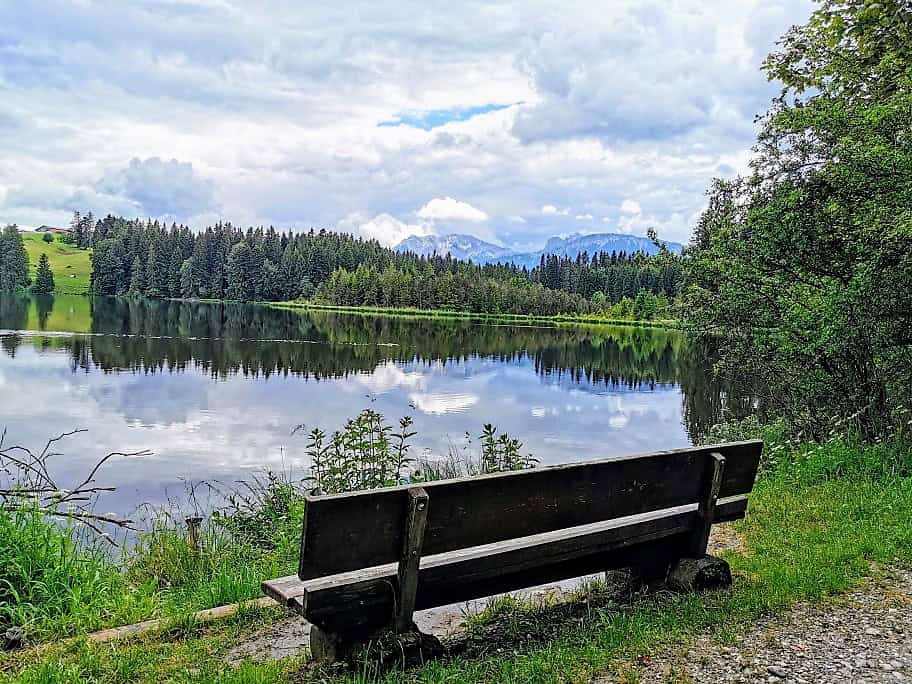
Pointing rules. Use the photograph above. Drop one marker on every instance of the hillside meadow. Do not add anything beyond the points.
(72, 266)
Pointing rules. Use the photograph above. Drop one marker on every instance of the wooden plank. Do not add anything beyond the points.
(290, 590)
(707, 507)
(733, 508)
(368, 603)
(350, 531)
(407, 573)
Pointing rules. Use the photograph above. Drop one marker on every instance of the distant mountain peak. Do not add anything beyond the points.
(459, 245)
(469, 247)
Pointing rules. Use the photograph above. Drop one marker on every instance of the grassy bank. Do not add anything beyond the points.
(72, 267)
(819, 517)
(408, 312)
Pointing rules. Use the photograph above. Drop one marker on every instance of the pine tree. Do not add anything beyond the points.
(174, 273)
(75, 223)
(14, 262)
(86, 228)
(44, 279)
(137, 278)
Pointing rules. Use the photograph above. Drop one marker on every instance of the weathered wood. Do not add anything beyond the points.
(733, 508)
(359, 602)
(706, 510)
(351, 531)
(289, 591)
(407, 573)
(325, 647)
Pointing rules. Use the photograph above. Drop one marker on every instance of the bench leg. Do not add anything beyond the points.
(325, 647)
(385, 648)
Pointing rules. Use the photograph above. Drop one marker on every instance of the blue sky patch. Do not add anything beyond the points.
(438, 117)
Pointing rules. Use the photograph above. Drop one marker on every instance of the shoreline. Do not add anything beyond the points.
(408, 312)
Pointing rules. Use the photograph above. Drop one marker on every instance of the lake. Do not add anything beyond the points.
(215, 390)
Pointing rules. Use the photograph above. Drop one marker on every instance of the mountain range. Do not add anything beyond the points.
(470, 247)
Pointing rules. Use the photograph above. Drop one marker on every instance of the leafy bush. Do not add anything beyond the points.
(365, 454)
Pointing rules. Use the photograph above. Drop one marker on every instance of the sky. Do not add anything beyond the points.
(512, 122)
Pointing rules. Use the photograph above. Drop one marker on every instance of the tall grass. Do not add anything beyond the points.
(54, 582)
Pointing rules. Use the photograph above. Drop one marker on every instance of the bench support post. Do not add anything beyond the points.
(707, 506)
(416, 522)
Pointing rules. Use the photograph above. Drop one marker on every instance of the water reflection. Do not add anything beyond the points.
(214, 389)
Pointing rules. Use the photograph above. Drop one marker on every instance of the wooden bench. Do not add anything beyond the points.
(370, 559)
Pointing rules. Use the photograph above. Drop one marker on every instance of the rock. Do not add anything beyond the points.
(699, 574)
(13, 639)
(777, 671)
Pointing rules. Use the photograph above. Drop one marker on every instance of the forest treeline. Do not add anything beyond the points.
(225, 262)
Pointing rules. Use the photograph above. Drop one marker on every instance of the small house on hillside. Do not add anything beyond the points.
(52, 229)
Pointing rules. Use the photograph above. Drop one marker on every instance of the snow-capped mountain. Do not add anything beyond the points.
(460, 246)
(468, 247)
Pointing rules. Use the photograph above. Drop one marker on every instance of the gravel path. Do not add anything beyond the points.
(865, 637)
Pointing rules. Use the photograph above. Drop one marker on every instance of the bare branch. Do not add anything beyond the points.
(26, 483)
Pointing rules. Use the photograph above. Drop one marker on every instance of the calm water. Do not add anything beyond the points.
(215, 390)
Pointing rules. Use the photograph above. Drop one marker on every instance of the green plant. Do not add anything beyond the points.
(365, 454)
(501, 453)
(258, 511)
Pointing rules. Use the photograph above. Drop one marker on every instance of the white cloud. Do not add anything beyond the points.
(384, 228)
(441, 404)
(629, 206)
(388, 376)
(619, 421)
(584, 217)
(277, 106)
(449, 209)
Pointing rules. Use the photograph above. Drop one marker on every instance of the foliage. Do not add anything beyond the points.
(14, 261)
(501, 453)
(261, 510)
(81, 230)
(466, 289)
(497, 453)
(44, 278)
(804, 267)
(368, 453)
(224, 568)
(48, 238)
(364, 454)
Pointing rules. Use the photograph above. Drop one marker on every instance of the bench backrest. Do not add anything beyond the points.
(347, 532)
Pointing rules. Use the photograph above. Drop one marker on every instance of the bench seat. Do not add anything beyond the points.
(356, 601)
